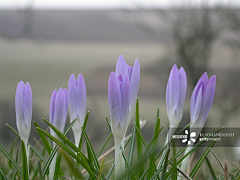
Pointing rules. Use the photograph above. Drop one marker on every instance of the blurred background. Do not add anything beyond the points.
(44, 42)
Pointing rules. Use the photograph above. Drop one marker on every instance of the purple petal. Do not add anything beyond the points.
(208, 96)
(27, 104)
(197, 103)
(81, 97)
(121, 67)
(72, 100)
(19, 101)
(125, 98)
(60, 113)
(204, 80)
(182, 92)
(114, 98)
(134, 84)
(52, 106)
(172, 93)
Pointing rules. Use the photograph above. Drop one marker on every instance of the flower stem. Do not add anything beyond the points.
(119, 161)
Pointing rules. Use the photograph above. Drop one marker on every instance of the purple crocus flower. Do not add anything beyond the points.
(122, 93)
(23, 108)
(77, 104)
(58, 109)
(175, 95)
(201, 100)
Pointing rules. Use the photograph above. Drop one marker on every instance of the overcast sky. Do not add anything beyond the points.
(103, 4)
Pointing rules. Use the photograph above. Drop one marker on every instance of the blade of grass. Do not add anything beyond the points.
(4, 177)
(165, 165)
(93, 155)
(84, 127)
(83, 161)
(24, 162)
(57, 167)
(101, 168)
(71, 165)
(200, 161)
(138, 136)
(210, 169)
(174, 167)
(11, 159)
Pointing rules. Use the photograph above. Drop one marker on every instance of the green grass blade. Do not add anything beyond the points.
(174, 167)
(210, 169)
(57, 167)
(200, 161)
(4, 177)
(165, 165)
(32, 148)
(11, 151)
(140, 139)
(104, 145)
(84, 127)
(131, 148)
(44, 140)
(83, 161)
(40, 170)
(138, 136)
(11, 159)
(110, 172)
(93, 155)
(73, 168)
(24, 162)
(109, 123)
(101, 169)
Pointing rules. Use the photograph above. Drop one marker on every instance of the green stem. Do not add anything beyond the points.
(119, 161)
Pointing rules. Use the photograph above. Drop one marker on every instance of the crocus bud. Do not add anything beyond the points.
(77, 104)
(58, 109)
(23, 108)
(175, 95)
(122, 95)
(123, 87)
(201, 100)
(57, 117)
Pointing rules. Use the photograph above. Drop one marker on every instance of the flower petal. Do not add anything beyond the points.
(19, 101)
(72, 94)
(27, 104)
(125, 99)
(81, 97)
(182, 93)
(60, 113)
(114, 99)
(134, 85)
(121, 67)
(52, 106)
(172, 92)
(208, 94)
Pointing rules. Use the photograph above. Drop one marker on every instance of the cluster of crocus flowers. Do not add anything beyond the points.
(57, 116)
(123, 87)
(77, 104)
(23, 108)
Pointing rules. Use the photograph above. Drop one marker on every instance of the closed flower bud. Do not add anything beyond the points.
(58, 109)
(23, 108)
(77, 104)
(175, 95)
(201, 100)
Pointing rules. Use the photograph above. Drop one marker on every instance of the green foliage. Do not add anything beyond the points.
(144, 160)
